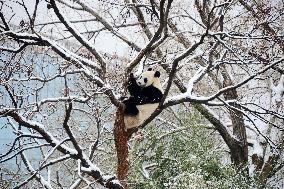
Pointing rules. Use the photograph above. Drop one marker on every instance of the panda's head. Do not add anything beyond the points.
(148, 78)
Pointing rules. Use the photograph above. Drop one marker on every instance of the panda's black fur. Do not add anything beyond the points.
(140, 95)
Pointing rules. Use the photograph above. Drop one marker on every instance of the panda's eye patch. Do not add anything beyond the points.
(145, 80)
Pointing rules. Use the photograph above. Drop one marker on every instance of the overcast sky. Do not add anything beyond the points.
(13, 8)
(16, 13)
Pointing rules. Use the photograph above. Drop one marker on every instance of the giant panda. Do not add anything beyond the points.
(145, 95)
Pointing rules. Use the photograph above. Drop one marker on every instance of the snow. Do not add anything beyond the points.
(73, 5)
(144, 171)
(115, 181)
(107, 177)
(45, 183)
(33, 123)
(59, 159)
(86, 64)
(139, 69)
(58, 99)
(188, 94)
(257, 149)
(223, 123)
(62, 74)
(246, 80)
(75, 184)
(8, 49)
(31, 169)
(74, 56)
(38, 126)
(278, 90)
(83, 38)
(92, 167)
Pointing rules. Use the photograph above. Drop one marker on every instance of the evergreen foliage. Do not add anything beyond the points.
(187, 157)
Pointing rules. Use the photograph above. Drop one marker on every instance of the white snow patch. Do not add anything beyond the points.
(257, 149)
(191, 82)
(278, 90)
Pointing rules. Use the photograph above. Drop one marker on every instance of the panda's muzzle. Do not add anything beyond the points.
(141, 84)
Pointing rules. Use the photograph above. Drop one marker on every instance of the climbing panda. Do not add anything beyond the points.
(145, 95)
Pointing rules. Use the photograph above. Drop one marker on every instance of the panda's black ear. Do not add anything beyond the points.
(157, 74)
(149, 69)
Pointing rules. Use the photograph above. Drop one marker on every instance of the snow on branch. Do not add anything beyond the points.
(72, 6)
(278, 90)
(225, 89)
(21, 151)
(220, 126)
(170, 80)
(139, 69)
(40, 128)
(188, 94)
(149, 47)
(60, 99)
(47, 79)
(40, 178)
(70, 56)
(107, 25)
(85, 65)
(78, 36)
(13, 50)
(89, 167)
(202, 99)
(244, 36)
(35, 173)
(73, 21)
(176, 63)
(16, 140)
(23, 37)
(28, 38)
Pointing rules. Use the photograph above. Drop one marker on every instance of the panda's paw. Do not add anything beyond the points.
(131, 111)
(122, 98)
(131, 77)
(131, 81)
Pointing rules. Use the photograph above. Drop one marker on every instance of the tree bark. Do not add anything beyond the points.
(268, 169)
(121, 137)
(239, 151)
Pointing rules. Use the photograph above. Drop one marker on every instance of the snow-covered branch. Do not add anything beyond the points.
(78, 36)
(65, 64)
(107, 25)
(156, 36)
(90, 168)
(188, 94)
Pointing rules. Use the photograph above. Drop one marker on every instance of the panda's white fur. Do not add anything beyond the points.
(145, 110)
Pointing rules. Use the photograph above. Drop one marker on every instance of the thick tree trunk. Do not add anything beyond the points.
(121, 141)
(268, 169)
(121, 137)
(239, 153)
(239, 150)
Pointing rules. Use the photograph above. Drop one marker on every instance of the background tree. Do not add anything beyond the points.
(65, 63)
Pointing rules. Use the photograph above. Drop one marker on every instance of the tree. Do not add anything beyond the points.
(187, 157)
(224, 57)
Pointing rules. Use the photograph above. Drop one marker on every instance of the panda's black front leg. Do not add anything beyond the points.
(133, 88)
(130, 107)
